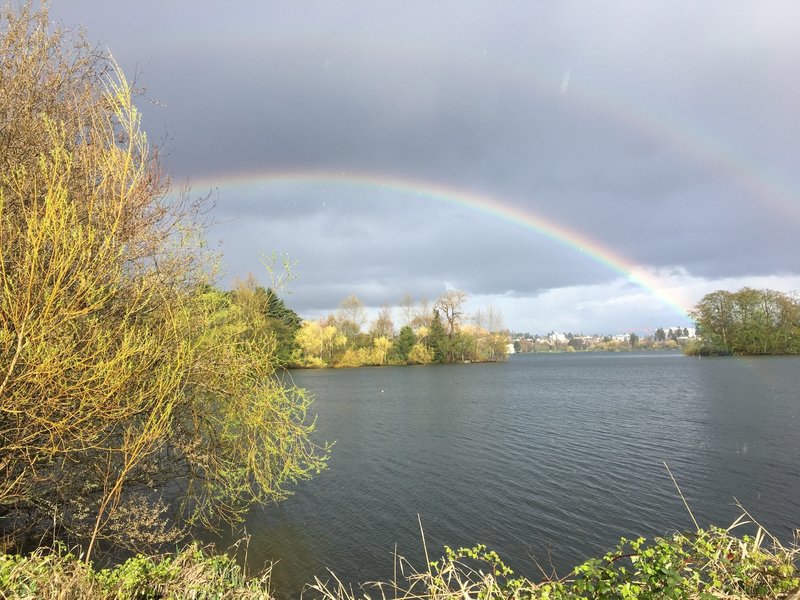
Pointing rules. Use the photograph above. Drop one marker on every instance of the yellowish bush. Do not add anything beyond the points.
(420, 355)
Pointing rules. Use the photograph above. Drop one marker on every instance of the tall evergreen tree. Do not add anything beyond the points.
(437, 339)
(403, 344)
(284, 323)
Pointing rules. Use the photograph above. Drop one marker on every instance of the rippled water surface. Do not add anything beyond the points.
(548, 457)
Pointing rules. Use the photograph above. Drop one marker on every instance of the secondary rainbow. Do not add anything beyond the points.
(703, 149)
(491, 206)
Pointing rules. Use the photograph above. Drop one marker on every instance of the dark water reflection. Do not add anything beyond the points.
(545, 457)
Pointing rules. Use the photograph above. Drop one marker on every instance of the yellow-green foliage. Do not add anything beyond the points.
(324, 345)
(92, 368)
(191, 573)
(355, 357)
(420, 355)
(121, 372)
(253, 423)
(366, 357)
(380, 349)
(318, 343)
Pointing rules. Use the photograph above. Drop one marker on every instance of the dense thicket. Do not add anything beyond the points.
(747, 322)
(133, 397)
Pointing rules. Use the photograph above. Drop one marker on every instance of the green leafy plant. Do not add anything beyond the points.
(702, 565)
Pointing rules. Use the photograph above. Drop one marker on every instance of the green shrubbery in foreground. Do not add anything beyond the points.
(712, 563)
(191, 573)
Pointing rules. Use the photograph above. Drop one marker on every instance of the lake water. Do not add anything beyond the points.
(546, 457)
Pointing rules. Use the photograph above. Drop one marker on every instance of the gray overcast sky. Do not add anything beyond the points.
(664, 134)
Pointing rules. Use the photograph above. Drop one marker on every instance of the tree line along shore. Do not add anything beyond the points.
(431, 334)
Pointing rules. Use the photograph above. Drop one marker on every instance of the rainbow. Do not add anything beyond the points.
(490, 206)
(760, 185)
(709, 153)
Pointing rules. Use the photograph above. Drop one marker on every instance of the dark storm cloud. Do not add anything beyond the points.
(665, 131)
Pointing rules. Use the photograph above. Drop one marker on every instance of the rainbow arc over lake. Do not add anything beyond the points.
(489, 205)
